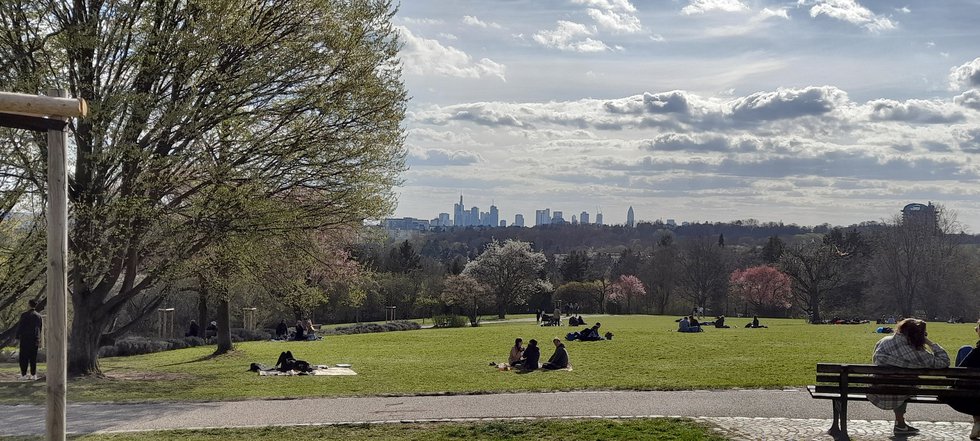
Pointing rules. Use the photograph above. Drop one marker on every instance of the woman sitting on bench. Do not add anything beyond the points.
(906, 349)
(969, 406)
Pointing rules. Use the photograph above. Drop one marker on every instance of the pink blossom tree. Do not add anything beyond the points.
(762, 287)
(625, 290)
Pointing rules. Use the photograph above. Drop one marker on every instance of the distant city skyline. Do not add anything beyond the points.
(800, 111)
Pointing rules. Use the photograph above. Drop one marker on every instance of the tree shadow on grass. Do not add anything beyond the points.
(208, 357)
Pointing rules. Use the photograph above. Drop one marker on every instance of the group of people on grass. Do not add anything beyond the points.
(691, 324)
(527, 358)
(303, 331)
(910, 347)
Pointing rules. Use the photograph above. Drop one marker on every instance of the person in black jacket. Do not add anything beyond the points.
(29, 334)
(193, 330)
(558, 360)
(532, 355)
(969, 406)
(282, 330)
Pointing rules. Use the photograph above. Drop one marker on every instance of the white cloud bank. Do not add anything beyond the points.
(703, 6)
(850, 11)
(570, 36)
(423, 56)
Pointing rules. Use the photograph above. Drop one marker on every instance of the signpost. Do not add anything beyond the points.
(50, 114)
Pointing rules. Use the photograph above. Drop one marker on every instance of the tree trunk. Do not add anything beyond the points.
(83, 350)
(224, 328)
(501, 310)
(202, 313)
(815, 311)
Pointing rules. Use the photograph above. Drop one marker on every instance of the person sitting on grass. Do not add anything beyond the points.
(694, 324)
(558, 360)
(969, 406)
(516, 352)
(282, 330)
(300, 334)
(720, 322)
(581, 321)
(573, 321)
(907, 348)
(532, 355)
(755, 323)
(193, 330)
(310, 330)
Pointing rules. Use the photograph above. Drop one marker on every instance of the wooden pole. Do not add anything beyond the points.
(56, 329)
(56, 105)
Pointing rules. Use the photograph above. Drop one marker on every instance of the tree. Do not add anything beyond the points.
(466, 293)
(511, 270)
(762, 287)
(574, 267)
(580, 293)
(773, 250)
(665, 272)
(913, 258)
(704, 271)
(198, 110)
(815, 270)
(627, 289)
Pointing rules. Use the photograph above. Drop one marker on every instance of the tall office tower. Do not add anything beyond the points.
(503, 223)
(542, 217)
(598, 218)
(474, 217)
(444, 220)
(484, 219)
(519, 220)
(630, 219)
(584, 218)
(574, 220)
(494, 216)
(459, 213)
(557, 218)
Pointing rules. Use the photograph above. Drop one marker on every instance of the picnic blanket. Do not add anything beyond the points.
(507, 367)
(319, 370)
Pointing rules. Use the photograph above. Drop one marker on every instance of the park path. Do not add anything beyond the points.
(740, 414)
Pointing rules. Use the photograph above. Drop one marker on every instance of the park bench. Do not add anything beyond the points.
(853, 382)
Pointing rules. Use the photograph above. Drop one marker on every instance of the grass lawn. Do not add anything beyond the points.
(646, 353)
(630, 429)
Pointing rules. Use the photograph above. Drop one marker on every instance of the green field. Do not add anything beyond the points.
(646, 353)
(663, 429)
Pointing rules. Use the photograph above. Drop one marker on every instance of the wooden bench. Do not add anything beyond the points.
(853, 382)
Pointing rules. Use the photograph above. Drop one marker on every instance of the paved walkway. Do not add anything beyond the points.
(740, 414)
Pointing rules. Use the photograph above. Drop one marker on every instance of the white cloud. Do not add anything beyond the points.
(568, 36)
(621, 5)
(473, 21)
(703, 6)
(774, 13)
(965, 76)
(448, 36)
(423, 56)
(422, 21)
(616, 21)
(850, 11)
(432, 157)
(969, 99)
(918, 111)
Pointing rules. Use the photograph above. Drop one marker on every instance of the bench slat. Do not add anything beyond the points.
(903, 380)
(898, 390)
(953, 372)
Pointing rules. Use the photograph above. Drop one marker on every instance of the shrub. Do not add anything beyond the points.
(242, 334)
(142, 345)
(372, 327)
(450, 321)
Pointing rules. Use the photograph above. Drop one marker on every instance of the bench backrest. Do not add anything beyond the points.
(886, 380)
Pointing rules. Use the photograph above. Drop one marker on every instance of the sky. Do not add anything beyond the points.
(806, 112)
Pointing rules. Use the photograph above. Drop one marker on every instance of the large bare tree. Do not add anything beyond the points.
(199, 109)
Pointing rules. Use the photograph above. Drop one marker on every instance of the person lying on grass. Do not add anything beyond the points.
(558, 360)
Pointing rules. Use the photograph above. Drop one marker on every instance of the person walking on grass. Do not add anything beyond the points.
(910, 348)
(29, 334)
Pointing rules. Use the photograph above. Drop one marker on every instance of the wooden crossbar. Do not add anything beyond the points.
(39, 105)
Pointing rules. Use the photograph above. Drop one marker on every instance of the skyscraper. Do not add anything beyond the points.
(574, 220)
(494, 216)
(459, 213)
(584, 218)
(630, 220)
(519, 220)
(474, 218)
(557, 217)
(542, 217)
(598, 218)
(444, 220)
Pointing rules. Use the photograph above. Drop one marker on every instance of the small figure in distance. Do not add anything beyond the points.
(29, 334)
(282, 330)
(310, 330)
(193, 330)
(531, 356)
(581, 321)
(516, 352)
(755, 323)
(537, 315)
(558, 360)
(573, 321)
(907, 348)
(720, 322)
(968, 357)
(300, 331)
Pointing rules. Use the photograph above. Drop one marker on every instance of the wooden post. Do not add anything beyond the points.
(56, 329)
(166, 322)
(248, 318)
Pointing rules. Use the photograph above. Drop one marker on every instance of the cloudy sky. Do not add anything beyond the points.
(805, 111)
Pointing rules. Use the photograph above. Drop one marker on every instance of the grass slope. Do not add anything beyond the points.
(646, 353)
